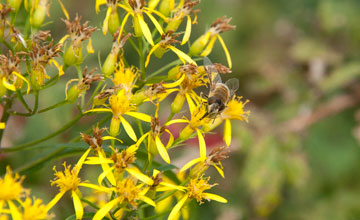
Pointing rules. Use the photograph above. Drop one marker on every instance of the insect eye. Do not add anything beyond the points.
(218, 101)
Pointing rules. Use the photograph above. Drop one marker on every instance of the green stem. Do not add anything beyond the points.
(79, 72)
(63, 102)
(27, 145)
(22, 100)
(93, 94)
(5, 116)
(36, 102)
(141, 59)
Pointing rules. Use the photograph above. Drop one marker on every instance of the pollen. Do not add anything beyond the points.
(120, 104)
(128, 192)
(66, 180)
(34, 210)
(235, 110)
(196, 188)
(10, 186)
(125, 77)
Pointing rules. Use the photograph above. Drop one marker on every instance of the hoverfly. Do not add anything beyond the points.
(220, 93)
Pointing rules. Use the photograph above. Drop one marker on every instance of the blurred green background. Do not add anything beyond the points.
(298, 63)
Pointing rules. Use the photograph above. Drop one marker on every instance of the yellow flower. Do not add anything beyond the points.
(233, 110)
(10, 77)
(34, 210)
(208, 39)
(213, 159)
(195, 189)
(125, 78)
(120, 105)
(160, 48)
(194, 78)
(126, 191)
(11, 189)
(38, 10)
(136, 8)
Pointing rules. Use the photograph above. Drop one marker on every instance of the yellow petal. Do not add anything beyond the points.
(177, 208)
(140, 116)
(162, 150)
(225, 50)
(26, 4)
(59, 67)
(112, 138)
(105, 209)
(54, 201)
(79, 210)
(155, 22)
(106, 21)
(172, 186)
(128, 129)
(227, 132)
(141, 139)
(176, 83)
(157, 13)
(106, 168)
(2, 125)
(145, 29)
(89, 47)
(25, 80)
(64, 10)
(155, 172)
(8, 85)
(97, 160)
(62, 40)
(81, 160)
(202, 145)
(122, 26)
(98, 3)
(96, 187)
(215, 197)
(181, 54)
(98, 110)
(187, 31)
(171, 139)
(209, 47)
(190, 164)
(107, 172)
(140, 176)
(190, 102)
(221, 172)
(15, 214)
(147, 200)
(176, 121)
(149, 55)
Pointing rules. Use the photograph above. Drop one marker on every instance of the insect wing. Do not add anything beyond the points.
(213, 75)
(233, 85)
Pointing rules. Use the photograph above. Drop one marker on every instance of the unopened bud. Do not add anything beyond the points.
(37, 78)
(159, 52)
(173, 25)
(177, 103)
(198, 170)
(166, 7)
(138, 98)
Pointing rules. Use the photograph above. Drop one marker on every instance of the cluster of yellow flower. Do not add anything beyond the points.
(127, 184)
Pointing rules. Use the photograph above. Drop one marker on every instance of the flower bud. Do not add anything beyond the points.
(114, 21)
(114, 127)
(173, 72)
(38, 16)
(211, 126)
(15, 4)
(73, 93)
(186, 132)
(199, 44)
(72, 56)
(109, 65)
(177, 103)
